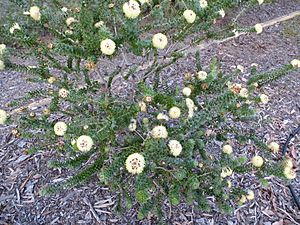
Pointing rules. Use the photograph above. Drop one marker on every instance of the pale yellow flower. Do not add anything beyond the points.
(240, 68)
(190, 103)
(60, 128)
(99, 24)
(107, 47)
(2, 65)
(70, 20)
(175, 147)
(264, 98)
(189, 16)
(159, 132)
(63, 93)
(288, 163)
(250, 195)
(15, 26)
(64, 9)
(143, 106)
(203, 3)
(202, 75)
(260, 2)
(257, 161)
(244, 93)
(222, 13)
(186, 91)
(243, 199)
(229, 184)
(132, 126)
(159, 41)
(162, 116)
(289, 173)
(84, 143)
(295, 63)
(3, 116)
(274, 147)
(226, 172)
(135, 163)
(2, 49)
(258, 28)
(131, 9)
(148, 99)
(227, 149)
(34, 13)
(174, 112)
(51, 80)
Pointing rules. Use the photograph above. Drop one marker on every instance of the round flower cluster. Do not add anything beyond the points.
(257, 161)
(191, 107)
(131, 9)
(143, 106)
(60, 128)
(70, 20)
(34, 13)
(159, 41)
(135, 163)
(264, 98)
(274, 147)
(186, 91)
(226, 172)
(227, 149)
(159, 132)
(202, 75)
(63, 93)
(162, 116)
(15, 26)
(3, 116)
(258, 28)
(189, 16)
(203, 3)
(132, 126)
(175, 147)
(84, 143)
(107, 47)
(288, 171)
(174, 112)
(295, 63)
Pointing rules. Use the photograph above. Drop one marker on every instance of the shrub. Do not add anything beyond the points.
(160, 143)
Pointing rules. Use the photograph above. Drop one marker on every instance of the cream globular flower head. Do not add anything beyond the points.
(108, 46)
(2, 49)
(135, 163)
(51, 80)
(221, 13)
(295, 63)
(60, 128)
(162, 116)
(131, 9)
(288, 163)
(244, 93)
(227, 149)
(143, 106)
(174, 112)
(264, 98)
(63, 93)
(132, 126)
(226, 172)
(274, 147)
(202, 75)
(289, 173)
(99, 24)
(189, 15)
(70, 20)
(159, 41)
(34, 13)
(2, 65)
(257, 161)
(186, 91)
(15, 26)
(243, 199)
(203, 3)
(250, 195)
(260, 2)
(159, 132)
(258, 28)
(175, 147)
(3, 116)
(84, 143)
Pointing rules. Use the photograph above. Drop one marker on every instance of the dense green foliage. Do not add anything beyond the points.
(121, 127)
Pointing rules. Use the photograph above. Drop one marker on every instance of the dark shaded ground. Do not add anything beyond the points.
(23, 175)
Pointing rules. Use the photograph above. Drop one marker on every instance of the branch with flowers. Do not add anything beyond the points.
(157, 144)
